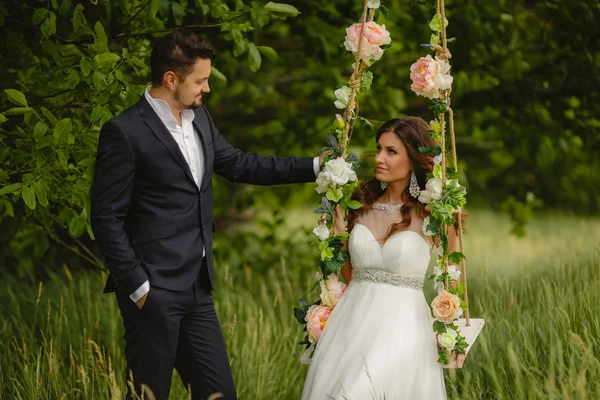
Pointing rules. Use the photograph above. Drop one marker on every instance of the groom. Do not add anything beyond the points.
(151, 213)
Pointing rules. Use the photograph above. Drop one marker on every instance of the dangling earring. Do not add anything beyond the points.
(383, 185)
(414, 188)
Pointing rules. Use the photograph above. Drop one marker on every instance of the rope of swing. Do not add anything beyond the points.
(443, 53)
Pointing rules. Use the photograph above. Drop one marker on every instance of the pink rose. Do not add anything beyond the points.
(332, 290)
(429, 76)
(446, 307)
(374, 36)
(316, 318)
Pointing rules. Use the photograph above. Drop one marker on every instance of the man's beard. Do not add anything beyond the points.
(184, 106)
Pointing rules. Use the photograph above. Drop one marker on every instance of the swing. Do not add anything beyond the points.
(454, 334)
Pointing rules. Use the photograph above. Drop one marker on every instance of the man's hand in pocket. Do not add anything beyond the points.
(140, 302)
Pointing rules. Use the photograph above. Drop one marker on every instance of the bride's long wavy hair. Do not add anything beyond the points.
(413, 132)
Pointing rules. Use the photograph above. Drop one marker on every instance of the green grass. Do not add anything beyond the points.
(539, 296)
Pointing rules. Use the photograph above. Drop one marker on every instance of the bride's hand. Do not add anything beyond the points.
(340, 223)
(460, 359)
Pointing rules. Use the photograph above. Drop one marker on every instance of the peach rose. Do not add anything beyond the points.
(332, 290)
(446, 307)
(429, 76)
(374, 36)
(316, 318)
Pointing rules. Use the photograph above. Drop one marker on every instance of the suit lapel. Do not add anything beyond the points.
(162, 133)
(201, 126)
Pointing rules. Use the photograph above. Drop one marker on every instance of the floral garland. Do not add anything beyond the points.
(444, 196)
(337, 180)
(367, 41)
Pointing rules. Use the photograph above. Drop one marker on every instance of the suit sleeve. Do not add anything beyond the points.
(111, 195)
(245, 167)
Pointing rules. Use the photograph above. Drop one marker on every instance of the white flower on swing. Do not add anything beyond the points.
(374, 4)
(322, 232)
(429, 76)
(342, 97)
(337, 172)
(437, 159)
(453, 274)
(448, 339)
(433, 191)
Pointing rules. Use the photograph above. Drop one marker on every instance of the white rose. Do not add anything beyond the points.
(437, 159)
(322, 232)
(339, 172)
(374, 4)
(453, 272)
(425, 196)
(322, 183)
(342, 96)
(448, 339)
(434, 186)
(440, 251)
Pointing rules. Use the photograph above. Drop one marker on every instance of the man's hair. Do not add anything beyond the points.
(178, 52)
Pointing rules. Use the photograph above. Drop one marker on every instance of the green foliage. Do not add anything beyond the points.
(67, 69)
(526, 111)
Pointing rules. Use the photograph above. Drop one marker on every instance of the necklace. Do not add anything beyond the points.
(388, 208)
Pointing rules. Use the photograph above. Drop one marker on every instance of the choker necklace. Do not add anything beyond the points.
(388, 208)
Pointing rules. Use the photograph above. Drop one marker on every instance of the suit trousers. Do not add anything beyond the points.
(176, 330)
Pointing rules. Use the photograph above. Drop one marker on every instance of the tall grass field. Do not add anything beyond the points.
(540, 297)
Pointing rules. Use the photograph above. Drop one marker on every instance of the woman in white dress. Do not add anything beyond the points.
(379, 342)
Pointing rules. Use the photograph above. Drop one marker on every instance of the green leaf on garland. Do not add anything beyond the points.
(439, 326)
(436, 23)
(456, 257)
(431, 151)
(355, 205)
(300, 315)
(334, 194)
(366, 81)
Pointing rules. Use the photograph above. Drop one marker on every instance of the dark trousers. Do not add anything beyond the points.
(176, 330)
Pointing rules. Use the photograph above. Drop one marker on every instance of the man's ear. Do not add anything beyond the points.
(170, 80)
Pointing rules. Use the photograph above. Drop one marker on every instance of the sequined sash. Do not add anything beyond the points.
(379, 276)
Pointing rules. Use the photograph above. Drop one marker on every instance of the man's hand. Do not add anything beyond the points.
(323, 155)
(140, 302)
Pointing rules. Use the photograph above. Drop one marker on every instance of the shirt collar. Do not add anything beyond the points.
(163, 110)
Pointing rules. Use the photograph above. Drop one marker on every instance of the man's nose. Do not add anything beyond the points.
(206, 88)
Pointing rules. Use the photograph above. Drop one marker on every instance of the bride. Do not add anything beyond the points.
(378, 342)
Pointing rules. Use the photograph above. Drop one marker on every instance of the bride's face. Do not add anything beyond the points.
(392, 161)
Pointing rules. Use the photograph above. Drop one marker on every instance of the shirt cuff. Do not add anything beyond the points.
(140, 292)
(316, 166)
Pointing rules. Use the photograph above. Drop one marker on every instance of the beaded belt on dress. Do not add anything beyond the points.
(379, 276)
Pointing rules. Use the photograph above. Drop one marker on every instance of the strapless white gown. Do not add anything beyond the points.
(378, 342)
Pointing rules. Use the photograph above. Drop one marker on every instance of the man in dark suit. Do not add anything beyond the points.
(152, 217)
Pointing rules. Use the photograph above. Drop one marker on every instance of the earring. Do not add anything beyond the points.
(414, 188)
(383, 185)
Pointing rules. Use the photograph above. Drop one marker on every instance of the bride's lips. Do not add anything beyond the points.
(380, 169)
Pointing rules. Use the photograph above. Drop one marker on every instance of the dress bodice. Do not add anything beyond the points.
(405, 253)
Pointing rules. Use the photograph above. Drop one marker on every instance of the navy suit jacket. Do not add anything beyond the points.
(150, 219)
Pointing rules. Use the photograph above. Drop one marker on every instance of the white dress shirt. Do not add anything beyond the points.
(191, 147)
